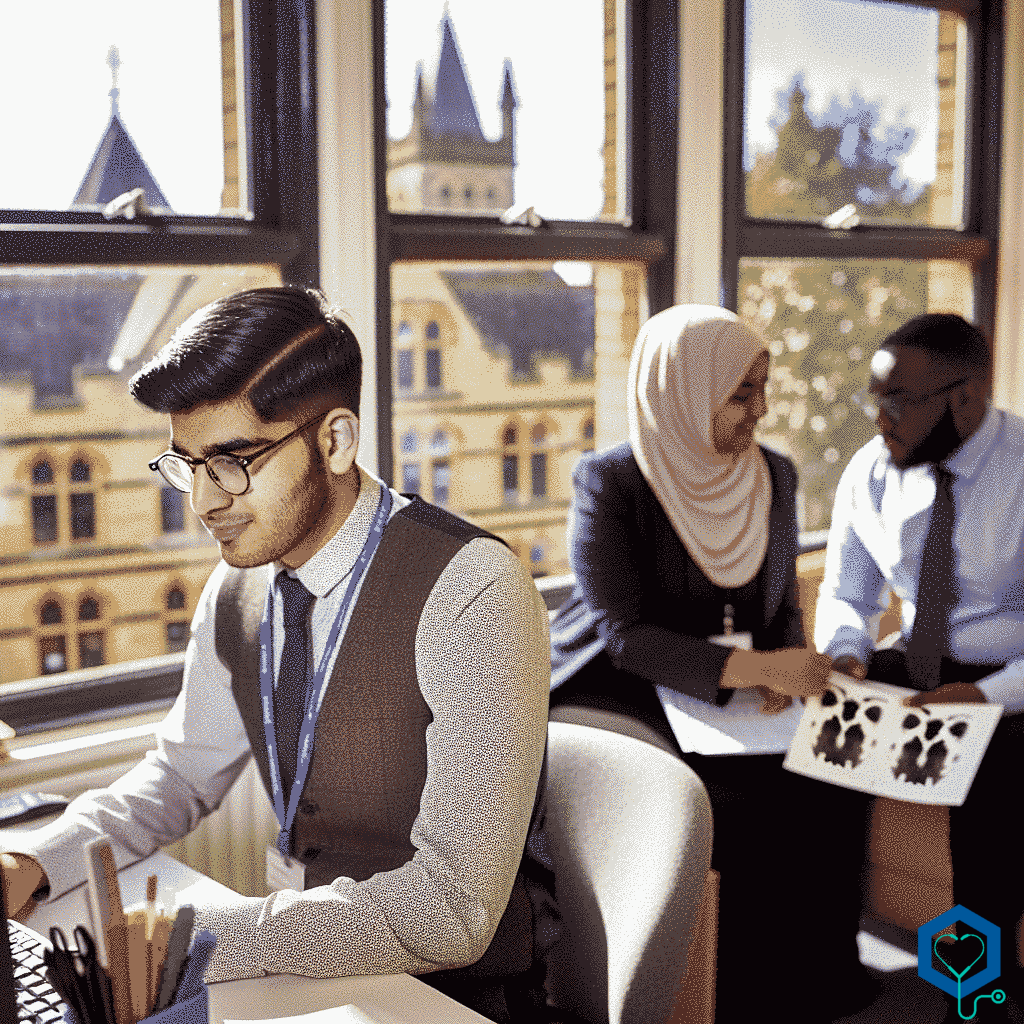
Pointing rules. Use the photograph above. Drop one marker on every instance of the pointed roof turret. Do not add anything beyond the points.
(508, 92)
(117, 165)
(454, 111)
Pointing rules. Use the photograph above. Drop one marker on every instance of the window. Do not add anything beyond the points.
(172, 510)
(433, 367)
(410, 478)
(504, 316)
(858, 194)
(539, 474)
(44, 518)
(176, 631)
(83, 516)
(83, 299)
(405, 357)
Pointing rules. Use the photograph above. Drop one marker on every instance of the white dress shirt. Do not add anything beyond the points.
(879, 524)
(483, 666)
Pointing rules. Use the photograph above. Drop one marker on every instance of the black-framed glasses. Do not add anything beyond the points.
(894, 406)
(229, 472)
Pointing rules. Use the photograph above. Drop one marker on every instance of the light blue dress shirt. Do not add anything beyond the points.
(877, 537)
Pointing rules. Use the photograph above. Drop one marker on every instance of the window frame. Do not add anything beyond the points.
(281, 106)
(977, 243)
(649, 237)
(281, 95)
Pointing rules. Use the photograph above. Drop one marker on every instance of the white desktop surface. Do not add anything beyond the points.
(388, 999)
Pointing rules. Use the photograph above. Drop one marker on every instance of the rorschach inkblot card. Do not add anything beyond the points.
(862, 736)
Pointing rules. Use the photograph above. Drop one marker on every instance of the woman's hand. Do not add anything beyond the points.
(796, 671)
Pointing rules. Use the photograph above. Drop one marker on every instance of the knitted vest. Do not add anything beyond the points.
(369, 763)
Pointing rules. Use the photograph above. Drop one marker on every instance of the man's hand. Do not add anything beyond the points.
(22, 876)
(850, 665)
(794, 671)
(951, 693)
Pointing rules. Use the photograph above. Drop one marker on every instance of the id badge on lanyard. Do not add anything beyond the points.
(283, 870)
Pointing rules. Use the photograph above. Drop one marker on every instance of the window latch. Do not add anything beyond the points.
(845, 218)
(526, 216)
(129, 205)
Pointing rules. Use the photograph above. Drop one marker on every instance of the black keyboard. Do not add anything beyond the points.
(38, 1002)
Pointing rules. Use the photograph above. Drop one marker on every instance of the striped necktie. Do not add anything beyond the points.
(292, 676)
(937, 590)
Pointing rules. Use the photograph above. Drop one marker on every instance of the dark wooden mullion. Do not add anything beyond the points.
(733, 192)
(414, 238)
(759, 238)
(984, 183)
(143, 244)
(295, 141)
(654, 91)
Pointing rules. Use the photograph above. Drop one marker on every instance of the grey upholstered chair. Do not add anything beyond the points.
(629, 830)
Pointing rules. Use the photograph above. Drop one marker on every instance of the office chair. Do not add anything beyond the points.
(629, 833)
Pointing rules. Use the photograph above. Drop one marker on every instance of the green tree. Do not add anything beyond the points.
(823, 163)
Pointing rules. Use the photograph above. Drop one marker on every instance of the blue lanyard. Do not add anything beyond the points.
(316, 688)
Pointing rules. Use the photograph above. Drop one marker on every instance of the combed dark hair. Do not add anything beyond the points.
(284, 349)
(946, 335)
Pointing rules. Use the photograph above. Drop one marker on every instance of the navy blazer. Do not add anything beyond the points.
(636, 584)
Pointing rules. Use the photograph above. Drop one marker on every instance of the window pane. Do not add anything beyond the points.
(539, 474)
(94, 328)
(90, 650)
(510, 478)
(100, 120)
(849, 101)
(433, 365)
(52, 655)
(44, 518)
(175, 599)
(410, 478)
(88, 610)
(177, 636)
(442, 474)
(516, 363)
(172, 510)
(51, 615)
(488, 108)
(83, 516)
(405, 368)
(823, 321)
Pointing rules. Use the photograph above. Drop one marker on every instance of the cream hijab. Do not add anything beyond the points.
(686, 363)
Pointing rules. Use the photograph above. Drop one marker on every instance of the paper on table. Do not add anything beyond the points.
(861, 736)
(347, 1014)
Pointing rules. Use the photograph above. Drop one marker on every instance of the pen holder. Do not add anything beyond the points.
(193, 1010)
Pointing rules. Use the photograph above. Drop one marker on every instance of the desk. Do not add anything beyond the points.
(388, 999)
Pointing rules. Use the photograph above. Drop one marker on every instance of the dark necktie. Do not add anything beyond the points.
(937, 590)
(290, 694)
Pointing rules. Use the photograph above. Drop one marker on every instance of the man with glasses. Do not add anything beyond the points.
(385, 663)
(933, 510)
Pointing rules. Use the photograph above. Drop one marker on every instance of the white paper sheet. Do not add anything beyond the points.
(347, 1014)
(862, 736)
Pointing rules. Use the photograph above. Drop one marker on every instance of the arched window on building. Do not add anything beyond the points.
(411, 479)
(176, 628)
(538, 462)
(440, 468)
(53, 655)
(588, 435)
(81, 502)
(404, 361)
(90, 641)
(510, 465)
(44, 504)
(432, 357)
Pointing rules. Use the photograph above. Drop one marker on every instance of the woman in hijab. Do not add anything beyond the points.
(685, 617)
